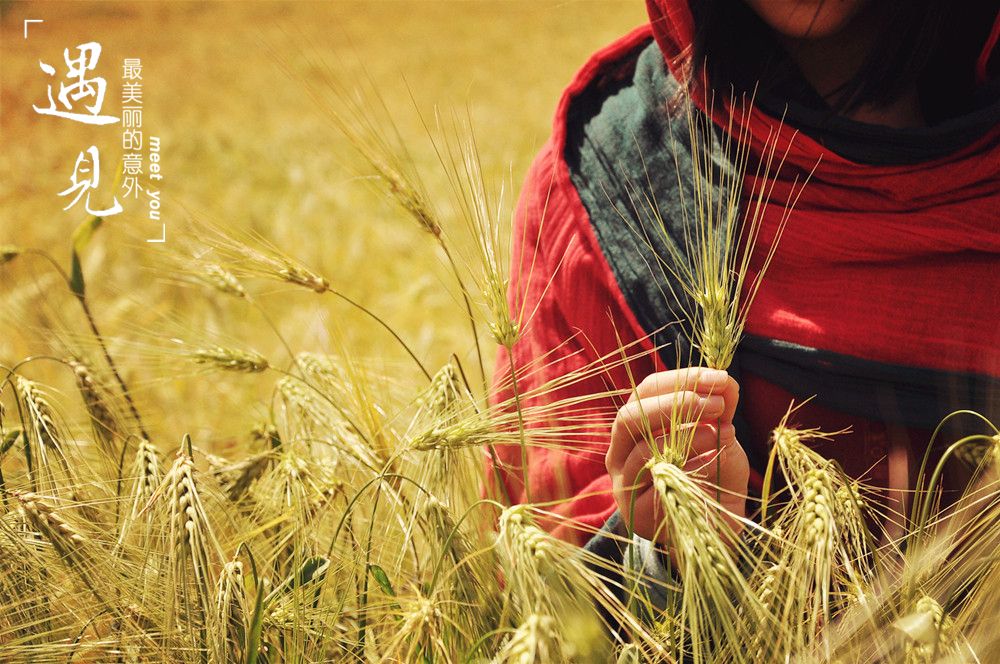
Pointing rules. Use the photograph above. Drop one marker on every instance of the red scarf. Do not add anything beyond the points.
(893, 264)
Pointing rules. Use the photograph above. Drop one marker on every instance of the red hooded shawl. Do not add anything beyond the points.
(883, 299)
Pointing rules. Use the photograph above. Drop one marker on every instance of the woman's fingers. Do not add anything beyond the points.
(643, 508)
(698, 380)
(631, 475)
(654, 414)
(690, 410)
(711, 437)
(725, 472)
(720, 465)
(660, 417)
(644, 515)
(690, 379)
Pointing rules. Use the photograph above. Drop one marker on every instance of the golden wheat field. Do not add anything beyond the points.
(244, 144)
(243, 418)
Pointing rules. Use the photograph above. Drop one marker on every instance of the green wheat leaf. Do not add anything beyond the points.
(382, 579)
(81, 237)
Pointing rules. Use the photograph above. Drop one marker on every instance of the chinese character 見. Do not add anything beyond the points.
(83, 183)
(83, 87)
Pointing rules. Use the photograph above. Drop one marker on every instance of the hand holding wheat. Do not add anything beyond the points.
(687, 414)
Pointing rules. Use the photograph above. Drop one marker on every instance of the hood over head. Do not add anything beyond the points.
(674, 27)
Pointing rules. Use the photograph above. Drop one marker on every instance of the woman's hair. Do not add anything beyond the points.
(739, 52)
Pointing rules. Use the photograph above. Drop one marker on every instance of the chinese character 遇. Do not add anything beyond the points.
(85, 184)
(83, 87)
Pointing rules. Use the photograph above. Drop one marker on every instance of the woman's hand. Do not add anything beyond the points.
(698, 399)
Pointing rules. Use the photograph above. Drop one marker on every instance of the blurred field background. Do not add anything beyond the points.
(243, 145)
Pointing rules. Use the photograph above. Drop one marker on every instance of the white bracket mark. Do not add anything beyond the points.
(27, 21)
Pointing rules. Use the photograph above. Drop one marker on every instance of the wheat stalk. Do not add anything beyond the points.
(73, 549)
(705, 610)
(223, 281)
(105, 425)
(146, 479)
(230, 359)
(232, 613)
(532, 552)
(44, 437)
(236, 478)
(40, 417)
(191, 546)
(329, 421)
(535, 641)
(716, 269)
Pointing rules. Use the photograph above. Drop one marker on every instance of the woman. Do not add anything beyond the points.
(880, 304)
